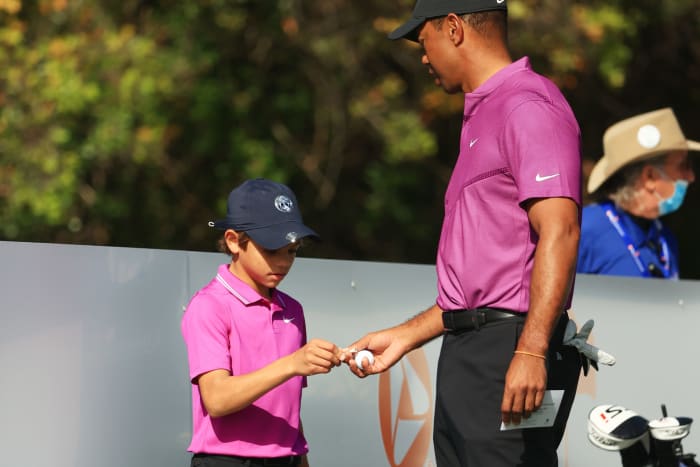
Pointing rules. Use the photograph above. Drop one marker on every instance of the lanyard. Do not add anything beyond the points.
(665, 257)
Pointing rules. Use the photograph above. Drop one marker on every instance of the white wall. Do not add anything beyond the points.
(93, 369)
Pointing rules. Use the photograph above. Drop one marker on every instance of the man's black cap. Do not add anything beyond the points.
(427, 9)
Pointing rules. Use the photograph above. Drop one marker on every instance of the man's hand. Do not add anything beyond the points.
(526, 381)
(389, 345)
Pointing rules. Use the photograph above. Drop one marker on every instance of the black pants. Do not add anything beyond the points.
(470, 383)
(212, 460)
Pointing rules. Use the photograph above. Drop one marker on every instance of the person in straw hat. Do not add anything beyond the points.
(643, 175)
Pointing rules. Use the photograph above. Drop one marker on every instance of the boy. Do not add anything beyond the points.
(246, 340)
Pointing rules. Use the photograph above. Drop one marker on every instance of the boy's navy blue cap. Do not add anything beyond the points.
(428, 9)
(267, 212)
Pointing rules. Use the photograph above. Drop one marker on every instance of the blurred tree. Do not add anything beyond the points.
(128, 122)
(84, 119)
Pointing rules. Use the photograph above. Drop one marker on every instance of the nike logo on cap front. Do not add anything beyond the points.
(287, 320)
(473, 142)
(542, 178)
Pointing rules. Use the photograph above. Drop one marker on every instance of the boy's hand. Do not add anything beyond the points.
(317, 356)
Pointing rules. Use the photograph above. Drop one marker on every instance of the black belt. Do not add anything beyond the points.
(256, 461)
(466, 320)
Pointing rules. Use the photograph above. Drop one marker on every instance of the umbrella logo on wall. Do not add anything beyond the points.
(406, 411)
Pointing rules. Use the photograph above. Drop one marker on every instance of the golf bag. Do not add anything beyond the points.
(641, 443)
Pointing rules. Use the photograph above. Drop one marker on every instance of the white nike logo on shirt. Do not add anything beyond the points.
(473, 142)
(287, 320)
(542, 178)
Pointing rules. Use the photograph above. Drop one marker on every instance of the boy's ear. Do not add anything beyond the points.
(233, 240)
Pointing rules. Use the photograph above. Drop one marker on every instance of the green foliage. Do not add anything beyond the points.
(128, 123)
(74, 103)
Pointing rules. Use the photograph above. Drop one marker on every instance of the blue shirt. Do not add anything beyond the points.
(602, 249)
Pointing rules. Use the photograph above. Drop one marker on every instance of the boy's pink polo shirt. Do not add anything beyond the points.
(520, 140)
(229, 326)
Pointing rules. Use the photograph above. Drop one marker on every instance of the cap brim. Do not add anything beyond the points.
(221, 224)
(408, 30)
(274, 237)
(693, 145)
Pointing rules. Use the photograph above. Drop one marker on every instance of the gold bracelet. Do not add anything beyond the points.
(522, 352)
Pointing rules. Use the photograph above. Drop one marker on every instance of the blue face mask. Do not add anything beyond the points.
(669, 205)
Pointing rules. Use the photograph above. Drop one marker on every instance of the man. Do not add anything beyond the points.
(643, 175)
(507, 250)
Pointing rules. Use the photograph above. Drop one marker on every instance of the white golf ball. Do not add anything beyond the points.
(364, 355)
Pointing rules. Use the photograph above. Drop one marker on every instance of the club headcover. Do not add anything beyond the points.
(615, 428)
(670, 428)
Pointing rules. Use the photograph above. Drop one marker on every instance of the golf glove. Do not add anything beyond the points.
(591, 355)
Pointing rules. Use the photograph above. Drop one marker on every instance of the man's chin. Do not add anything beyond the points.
(446, 88)
(453, 90)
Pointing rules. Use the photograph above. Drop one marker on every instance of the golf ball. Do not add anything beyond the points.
(364, 355)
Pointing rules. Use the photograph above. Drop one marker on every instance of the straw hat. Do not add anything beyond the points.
(637, 138)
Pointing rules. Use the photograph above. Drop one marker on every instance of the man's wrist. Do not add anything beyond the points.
(530, 354)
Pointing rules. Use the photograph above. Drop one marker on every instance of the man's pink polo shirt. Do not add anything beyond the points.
(229, 326)
(520, 140)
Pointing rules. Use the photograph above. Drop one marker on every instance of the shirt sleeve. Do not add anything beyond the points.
(205, 331)
(544, 149)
